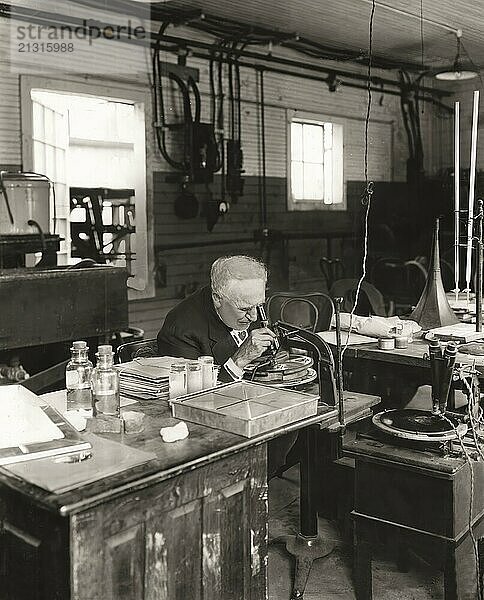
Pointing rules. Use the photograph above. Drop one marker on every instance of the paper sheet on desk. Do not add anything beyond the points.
(22, 420)
(351, 338)
(108, 458)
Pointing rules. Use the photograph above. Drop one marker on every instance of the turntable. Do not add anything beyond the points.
(419, 425)
(283, 370)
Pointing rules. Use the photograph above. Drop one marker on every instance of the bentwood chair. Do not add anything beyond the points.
(136, 349)
(370, 299)
(311, 310)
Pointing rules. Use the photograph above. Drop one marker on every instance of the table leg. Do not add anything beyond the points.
(306, 547)
(362, 560)
(460, 576)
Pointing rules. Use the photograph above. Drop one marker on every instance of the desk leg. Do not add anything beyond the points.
(306, 547)
(460, 576)
(362, 560)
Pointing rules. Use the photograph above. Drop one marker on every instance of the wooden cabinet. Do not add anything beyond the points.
(201, 534)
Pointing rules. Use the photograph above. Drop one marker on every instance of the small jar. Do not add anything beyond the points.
(386, 343)
(401, 341)
(194, 376)
(208, 372)
(177, 379)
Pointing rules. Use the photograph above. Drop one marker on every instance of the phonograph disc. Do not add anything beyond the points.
(419, 425)
(283, 370)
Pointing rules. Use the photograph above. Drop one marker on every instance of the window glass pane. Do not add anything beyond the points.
(312, 143)
(328, 136)
(313, 182)
(297, 187)
(296, 141)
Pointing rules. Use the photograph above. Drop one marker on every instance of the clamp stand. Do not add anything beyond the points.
(307, 546)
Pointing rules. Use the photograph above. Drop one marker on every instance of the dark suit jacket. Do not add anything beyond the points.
(193, 328)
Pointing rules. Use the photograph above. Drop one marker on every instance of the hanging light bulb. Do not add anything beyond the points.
(458, 71)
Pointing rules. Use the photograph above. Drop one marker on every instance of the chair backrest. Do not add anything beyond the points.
(370, 300)
(311, 310)
(132, 350)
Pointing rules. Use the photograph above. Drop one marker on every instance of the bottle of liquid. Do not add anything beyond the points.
(177, 379)
(105, 384)
(78, 378)
(194, 376)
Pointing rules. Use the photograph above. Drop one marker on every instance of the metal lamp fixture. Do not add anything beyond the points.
(458, 72)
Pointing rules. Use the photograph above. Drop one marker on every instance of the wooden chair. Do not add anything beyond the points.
(132, 350)
(370, 300)
(310, 310)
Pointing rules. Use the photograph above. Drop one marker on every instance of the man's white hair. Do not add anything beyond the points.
(239, 267)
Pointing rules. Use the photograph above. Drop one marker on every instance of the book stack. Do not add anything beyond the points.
(145, 378)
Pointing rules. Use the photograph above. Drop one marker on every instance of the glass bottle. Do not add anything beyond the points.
(105, 384)
(194, 376)
(78, 378)
(178, 379)
(207, 371)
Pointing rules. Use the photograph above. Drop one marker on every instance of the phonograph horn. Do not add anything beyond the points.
(433, 308)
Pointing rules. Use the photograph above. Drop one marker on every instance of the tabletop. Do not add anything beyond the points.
(144, 458)
(413, 355)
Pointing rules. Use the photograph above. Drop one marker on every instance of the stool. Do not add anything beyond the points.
(422, 501)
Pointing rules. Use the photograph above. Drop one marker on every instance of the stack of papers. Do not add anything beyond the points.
(145, 378)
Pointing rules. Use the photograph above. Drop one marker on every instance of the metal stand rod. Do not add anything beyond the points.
(479, 269)
(306, 547)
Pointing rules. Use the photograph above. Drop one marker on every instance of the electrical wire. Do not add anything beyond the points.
(369, 185)
(475, 543)
(158, 103)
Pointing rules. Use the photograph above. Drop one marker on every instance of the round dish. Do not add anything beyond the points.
(309, 376)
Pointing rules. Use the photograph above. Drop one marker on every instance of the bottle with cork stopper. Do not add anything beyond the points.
(105, 384)
(78, 378)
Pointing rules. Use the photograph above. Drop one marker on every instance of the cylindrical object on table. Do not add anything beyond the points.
(386, 343)
(177, 379)
(78, 378)
(208, 373)
(435, 355)
(450, 354)
(194, 376)
(105, 384)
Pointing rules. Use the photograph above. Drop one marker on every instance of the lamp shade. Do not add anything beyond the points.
(458, 71)
(460, 74)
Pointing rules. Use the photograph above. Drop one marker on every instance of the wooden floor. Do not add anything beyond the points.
(330, 577)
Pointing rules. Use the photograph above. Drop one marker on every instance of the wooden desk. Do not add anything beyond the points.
(423, 501)
(189, 523)
(395, 374)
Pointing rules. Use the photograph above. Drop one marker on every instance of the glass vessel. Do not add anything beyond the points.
(178, 379)
(105, 384)
(78, 378)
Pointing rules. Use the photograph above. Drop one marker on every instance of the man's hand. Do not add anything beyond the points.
(256, 343)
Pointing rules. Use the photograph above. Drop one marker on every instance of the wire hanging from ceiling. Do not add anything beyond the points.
(369, 185)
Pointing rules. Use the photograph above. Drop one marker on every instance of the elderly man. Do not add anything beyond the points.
(220, 320)
(217, 320)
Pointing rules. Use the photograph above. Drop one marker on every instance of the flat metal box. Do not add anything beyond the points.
(245, 408)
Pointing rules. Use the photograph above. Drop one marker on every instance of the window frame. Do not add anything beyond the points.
(142, 285)
(316, 119)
